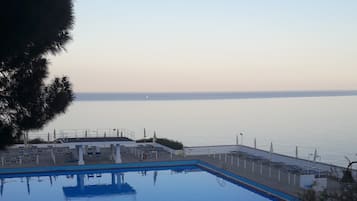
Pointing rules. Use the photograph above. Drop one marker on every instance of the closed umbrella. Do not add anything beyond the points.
(296, 152)
(315, 154)
(144, 135)
(271, 150)
(154, 138)
(25, 138)
(241, 138)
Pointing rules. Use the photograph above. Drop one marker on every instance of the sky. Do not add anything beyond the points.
(211, 45)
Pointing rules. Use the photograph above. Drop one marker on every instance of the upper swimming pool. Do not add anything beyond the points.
(180, 183)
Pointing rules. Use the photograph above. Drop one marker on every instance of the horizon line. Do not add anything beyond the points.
(186, 92)
(153, 96)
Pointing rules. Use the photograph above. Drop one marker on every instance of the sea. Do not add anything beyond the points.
(325, 121)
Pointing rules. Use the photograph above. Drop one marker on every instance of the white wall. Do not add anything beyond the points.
(306, 181)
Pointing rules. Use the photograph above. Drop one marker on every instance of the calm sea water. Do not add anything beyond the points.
(141, 185)
(328, 124)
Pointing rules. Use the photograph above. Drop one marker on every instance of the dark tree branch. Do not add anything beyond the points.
(29, 31)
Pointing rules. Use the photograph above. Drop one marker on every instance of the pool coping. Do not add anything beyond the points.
(257, 187)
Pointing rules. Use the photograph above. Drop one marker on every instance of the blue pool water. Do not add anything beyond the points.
(175, 184)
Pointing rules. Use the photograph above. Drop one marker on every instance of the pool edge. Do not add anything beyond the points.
(270, 192)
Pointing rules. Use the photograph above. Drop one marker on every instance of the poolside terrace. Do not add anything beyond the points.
(268, 169)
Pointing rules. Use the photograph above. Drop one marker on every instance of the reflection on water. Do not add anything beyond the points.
(83, 188)
(90, 184)
(116, 187)
(179, 183)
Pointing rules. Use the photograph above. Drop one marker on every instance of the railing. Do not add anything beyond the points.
(33, 156)
(337, 171)
(84, 133)
(260, 169)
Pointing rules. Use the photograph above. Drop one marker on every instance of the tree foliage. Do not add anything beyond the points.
(348, 192)
(29, 31)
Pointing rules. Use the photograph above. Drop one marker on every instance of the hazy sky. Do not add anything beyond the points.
(204, 45)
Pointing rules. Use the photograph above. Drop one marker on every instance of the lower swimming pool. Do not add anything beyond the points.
(180, 183)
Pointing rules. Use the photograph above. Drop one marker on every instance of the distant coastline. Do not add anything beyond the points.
(141, 96)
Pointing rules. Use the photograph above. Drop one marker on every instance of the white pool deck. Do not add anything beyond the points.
(285, 173)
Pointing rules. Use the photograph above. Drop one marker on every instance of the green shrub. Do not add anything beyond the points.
(144, 140)
(170, 143)
(36, 141)
(348, 192)
(166, 142)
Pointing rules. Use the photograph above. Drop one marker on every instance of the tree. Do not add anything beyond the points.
(348, 192)
(29, 31)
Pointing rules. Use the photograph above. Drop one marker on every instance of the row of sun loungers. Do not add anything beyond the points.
(33, 155)
(145, 152)
(295, 169)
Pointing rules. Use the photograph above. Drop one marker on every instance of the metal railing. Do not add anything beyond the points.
(83, 133)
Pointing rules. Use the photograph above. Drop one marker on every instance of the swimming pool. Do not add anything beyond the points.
(174, 181)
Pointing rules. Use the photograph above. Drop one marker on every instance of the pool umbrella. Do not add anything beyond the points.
(154, 138)
(296, 152)
(255, 143)
(144, 133)
(271, 150)
(315, 154)
(241, 139)
(25, 138)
